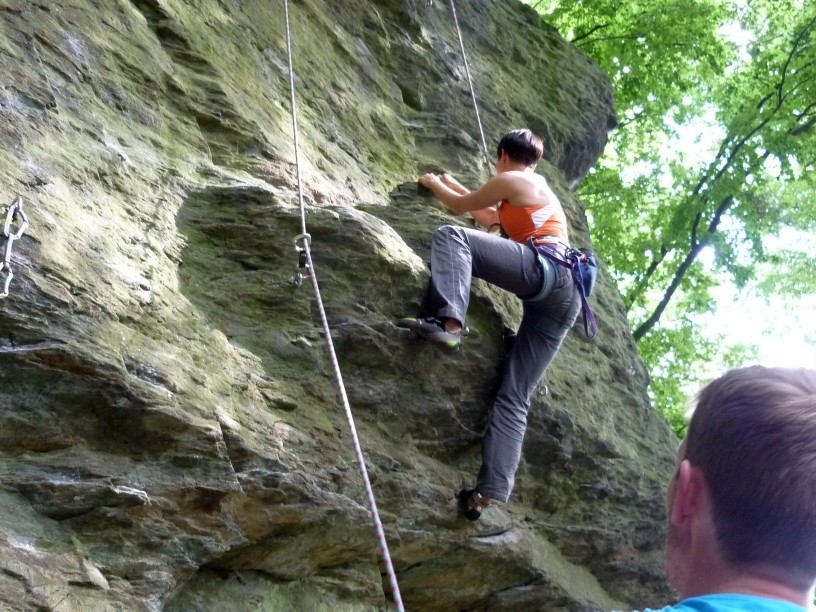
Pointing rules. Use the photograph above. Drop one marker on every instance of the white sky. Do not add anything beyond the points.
(782, 328)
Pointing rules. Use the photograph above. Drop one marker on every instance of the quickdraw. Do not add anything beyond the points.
(301, 242)
(14, 213)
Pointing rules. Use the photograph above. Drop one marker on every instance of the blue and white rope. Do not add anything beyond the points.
(372, 503)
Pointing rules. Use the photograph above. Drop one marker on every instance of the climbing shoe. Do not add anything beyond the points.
(472, 503)
(432, 329)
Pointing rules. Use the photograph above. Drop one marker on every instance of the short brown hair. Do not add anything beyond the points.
(521, 146)
(753, 435)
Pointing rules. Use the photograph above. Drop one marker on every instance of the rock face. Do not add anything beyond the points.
(171, 433)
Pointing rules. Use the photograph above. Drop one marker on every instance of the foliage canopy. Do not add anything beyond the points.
(714, 156)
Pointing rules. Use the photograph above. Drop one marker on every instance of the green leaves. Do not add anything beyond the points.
(714, 154)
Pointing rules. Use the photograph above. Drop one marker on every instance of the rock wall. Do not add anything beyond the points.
(170, 430)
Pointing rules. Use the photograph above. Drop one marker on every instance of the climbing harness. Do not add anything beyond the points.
(470, 84)
(303, 245)
(583, 268)
(12, 213)
(304, 269)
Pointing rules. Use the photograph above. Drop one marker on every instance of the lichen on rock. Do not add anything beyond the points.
(170, 430)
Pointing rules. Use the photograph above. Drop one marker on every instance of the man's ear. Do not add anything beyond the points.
(687, 497)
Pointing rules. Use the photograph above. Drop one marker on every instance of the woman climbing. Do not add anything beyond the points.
(529, 214)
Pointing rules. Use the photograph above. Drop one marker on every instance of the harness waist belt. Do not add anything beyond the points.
(549, 238)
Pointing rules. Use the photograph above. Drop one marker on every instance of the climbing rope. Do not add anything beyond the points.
(470, 84)
(303, 243)
(12, 213)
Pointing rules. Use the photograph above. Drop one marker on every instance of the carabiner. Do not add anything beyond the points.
(13, 211)
(302, 243)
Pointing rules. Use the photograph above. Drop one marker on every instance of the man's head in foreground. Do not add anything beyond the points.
(742, 504)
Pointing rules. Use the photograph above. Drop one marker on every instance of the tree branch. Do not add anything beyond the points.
(805, 127)
(667, 296)
(624, 124)
(809, 111)
(780, 99)
(589, 32)
(764, 99)
(694, 227)
(802, 33)
(684, 266)
(633, 295)
(636, 37)
(715, 220)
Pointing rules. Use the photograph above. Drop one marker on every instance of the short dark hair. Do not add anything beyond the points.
(753, 436)
(521, 146)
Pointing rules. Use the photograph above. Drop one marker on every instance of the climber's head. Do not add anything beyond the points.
(521, 146)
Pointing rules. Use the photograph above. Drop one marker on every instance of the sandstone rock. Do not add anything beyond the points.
(170, 431)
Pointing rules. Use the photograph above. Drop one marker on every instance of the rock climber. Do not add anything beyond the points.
(529, 214)
(742, 501)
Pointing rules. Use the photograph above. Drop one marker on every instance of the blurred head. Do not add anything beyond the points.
(521, 146)
(753, 438)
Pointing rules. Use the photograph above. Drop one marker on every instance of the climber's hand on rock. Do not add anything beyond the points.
(427, 180)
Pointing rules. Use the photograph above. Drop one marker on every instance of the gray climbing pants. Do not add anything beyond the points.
(457, 255)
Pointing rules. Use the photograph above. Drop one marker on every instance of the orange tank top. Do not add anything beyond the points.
(521, 223)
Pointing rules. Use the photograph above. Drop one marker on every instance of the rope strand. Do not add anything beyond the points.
(294, 120)
(470, 84)
(372, 503)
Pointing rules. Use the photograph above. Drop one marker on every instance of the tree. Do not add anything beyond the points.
(715, 153)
